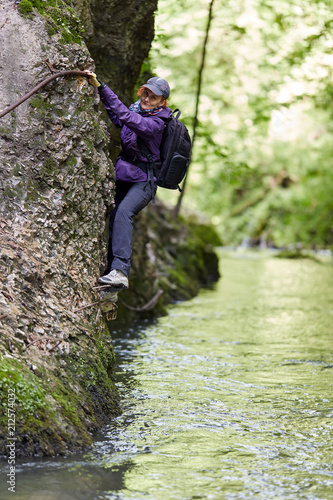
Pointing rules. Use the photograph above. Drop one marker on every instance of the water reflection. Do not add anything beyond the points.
(65, 479)
(228, 397)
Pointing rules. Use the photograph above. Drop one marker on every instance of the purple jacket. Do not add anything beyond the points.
(149, 127)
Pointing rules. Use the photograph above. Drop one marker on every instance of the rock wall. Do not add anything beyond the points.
(56, 188)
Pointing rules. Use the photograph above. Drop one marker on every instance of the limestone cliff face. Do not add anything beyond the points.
(56, 188)
(56, 176)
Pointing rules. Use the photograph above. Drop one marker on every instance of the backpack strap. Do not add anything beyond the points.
(135, 161)
(178, 113)
(149, 167)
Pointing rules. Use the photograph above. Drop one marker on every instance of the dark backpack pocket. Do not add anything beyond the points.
(175, 172)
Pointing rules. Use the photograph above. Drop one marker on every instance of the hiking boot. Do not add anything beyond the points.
(115, 278)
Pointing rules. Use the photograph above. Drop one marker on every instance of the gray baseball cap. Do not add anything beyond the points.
(158, 86)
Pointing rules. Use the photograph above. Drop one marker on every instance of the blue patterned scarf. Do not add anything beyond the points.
(136, 107)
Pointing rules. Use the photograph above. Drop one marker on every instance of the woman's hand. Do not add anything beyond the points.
(92, 78)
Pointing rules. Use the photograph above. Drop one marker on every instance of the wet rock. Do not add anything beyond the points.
(56, 188)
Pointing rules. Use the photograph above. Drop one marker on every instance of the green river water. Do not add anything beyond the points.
(228, 397)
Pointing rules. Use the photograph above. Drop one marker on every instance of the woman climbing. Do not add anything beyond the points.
(134, 189)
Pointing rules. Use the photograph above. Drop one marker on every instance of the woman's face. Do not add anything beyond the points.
(148, 100)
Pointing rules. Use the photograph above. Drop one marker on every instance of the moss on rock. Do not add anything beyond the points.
(25, 7)
(57, 406)
(60, 17)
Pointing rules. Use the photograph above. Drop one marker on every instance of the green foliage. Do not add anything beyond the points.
(262, 157)
(25, 7)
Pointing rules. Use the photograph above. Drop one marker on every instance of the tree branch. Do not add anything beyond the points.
(195, 121)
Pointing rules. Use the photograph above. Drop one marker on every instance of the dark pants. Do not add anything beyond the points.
(130, 199)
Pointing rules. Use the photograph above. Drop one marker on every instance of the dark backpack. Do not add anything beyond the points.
(175, 153)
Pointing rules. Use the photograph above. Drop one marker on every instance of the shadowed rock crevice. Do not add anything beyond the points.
(118, 35)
